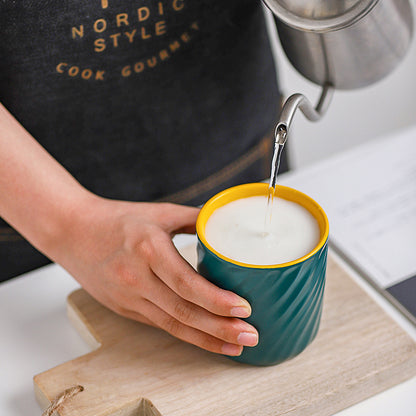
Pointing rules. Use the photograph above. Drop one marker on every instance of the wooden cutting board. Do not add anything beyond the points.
(138, 370)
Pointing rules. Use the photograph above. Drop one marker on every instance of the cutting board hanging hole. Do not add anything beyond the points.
(62, 399)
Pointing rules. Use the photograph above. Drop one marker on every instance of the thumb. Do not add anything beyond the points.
(179, 219)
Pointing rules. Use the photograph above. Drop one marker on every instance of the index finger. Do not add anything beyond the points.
(180, 276)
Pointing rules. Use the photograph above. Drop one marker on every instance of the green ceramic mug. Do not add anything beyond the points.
(286, 299)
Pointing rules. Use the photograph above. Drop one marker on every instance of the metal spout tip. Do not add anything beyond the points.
(280, 134)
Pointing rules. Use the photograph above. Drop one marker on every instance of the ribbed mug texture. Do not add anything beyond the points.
(286, 299)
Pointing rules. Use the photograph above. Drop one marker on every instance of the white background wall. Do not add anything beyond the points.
(354, 116)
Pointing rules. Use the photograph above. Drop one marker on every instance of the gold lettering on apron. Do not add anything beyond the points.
(73, 71)
(152, 62)
(130, 35)
(143, 13)
(185, 37)
(104, 4)
(163, 54)
(115, 37)
(60, 66)
(174, 46)
(126, 71)
(122, 18)
(100, 25)
(160, 28)
(178, 5)
(160, 6)
(99, 75)
(99, 45)
(145, 35)
(86, 73)
(78, 32)
(138, 67)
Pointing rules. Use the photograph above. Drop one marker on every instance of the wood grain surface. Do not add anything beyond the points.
(137, 370)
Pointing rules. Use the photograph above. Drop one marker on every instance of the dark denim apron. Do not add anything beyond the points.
(171, 100)
(17, 256)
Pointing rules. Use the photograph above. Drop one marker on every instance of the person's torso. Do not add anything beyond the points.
(139, 98)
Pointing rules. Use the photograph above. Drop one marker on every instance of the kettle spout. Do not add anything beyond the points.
(312, 113)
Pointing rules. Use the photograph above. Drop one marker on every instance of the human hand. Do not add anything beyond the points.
(123, 255)
(120, 252)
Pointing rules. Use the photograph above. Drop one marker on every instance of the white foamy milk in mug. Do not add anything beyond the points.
(236, 230)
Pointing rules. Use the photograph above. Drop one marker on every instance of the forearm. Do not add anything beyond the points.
(37, 195)
(120, 252)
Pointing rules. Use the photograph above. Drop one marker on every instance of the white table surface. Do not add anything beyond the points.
(36, 335)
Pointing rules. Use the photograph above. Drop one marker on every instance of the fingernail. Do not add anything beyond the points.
(241, 311)
(231, 349)
(248, 339)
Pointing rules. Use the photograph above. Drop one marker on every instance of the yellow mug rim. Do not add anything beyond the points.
(261, 189)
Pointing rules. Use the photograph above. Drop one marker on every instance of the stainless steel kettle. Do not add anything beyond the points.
(340, 44)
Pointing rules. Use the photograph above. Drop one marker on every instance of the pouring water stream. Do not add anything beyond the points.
(279, 144)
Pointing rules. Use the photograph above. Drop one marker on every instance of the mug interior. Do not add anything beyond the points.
(261, 189)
